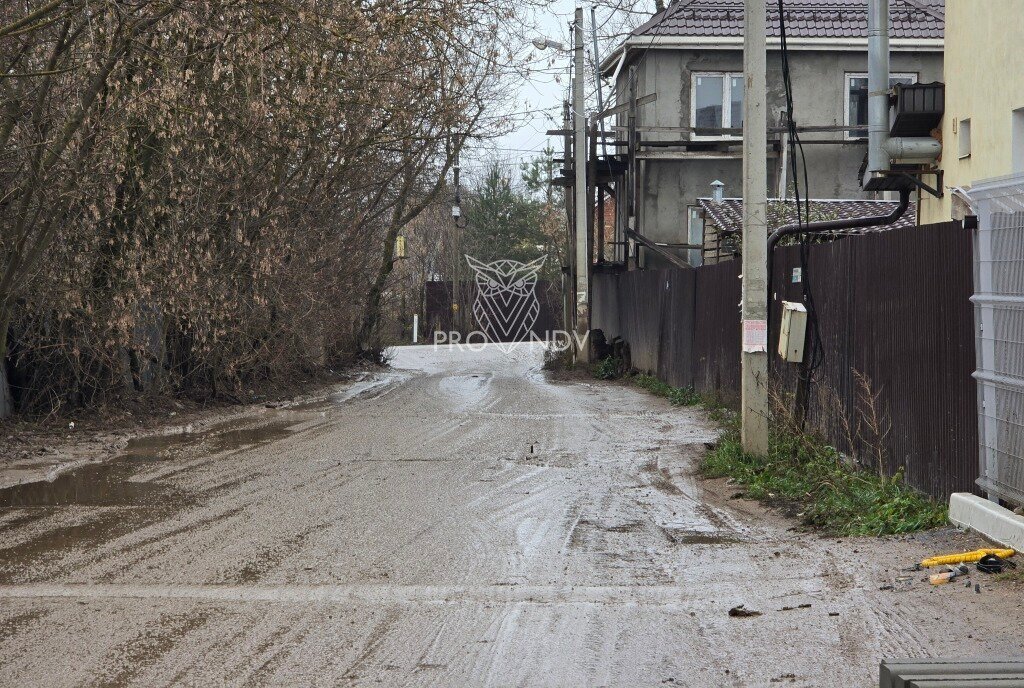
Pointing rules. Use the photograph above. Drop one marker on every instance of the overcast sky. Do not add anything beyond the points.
(542, 89)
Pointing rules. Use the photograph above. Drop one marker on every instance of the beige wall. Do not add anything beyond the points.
(984, 75)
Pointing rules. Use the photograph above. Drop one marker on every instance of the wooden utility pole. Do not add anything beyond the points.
(580, 193)
(754, 389)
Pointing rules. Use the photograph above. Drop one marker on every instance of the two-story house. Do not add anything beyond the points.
(691, 56)
(983, 125)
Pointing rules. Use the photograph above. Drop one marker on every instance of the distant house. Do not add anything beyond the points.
(722, 221)
(690, 56)
(983, 124)
(982, 161)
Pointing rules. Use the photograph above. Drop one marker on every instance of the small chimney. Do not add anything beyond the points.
(717, 191)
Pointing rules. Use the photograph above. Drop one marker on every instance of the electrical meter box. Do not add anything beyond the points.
(793, 332)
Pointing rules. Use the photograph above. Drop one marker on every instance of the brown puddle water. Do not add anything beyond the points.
(111, 484)
(106, 484)
(120, 496)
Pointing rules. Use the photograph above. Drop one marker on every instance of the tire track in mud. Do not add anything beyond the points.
(124, 663)
(406, 536)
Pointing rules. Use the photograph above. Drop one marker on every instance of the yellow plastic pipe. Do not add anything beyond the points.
(966, 557)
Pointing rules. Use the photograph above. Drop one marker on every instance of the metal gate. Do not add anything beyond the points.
(999, 317)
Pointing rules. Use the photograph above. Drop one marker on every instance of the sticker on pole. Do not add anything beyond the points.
(755, 336)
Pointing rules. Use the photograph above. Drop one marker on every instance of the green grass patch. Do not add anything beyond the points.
(812, 479)
(606, 369)
(802, 474)
(611, 369)
(677, 396)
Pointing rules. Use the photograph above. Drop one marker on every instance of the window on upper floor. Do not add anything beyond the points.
(857, 99)
(963, 138)
(716, 102)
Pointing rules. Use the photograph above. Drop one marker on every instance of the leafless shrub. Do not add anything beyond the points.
(873, 423)
(197, 196)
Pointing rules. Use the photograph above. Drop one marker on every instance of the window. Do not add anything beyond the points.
(963, 138)
(695, 235)
(716, 102)
(857, 99)
(1017, 138)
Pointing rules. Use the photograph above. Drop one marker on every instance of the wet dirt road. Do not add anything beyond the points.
(460, 521)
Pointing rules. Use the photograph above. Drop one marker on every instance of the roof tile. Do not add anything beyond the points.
(804, 19)
(728, 215)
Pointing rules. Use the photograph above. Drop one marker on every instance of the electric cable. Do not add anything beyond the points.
(815, 354)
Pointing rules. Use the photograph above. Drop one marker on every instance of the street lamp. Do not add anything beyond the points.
(545, 43)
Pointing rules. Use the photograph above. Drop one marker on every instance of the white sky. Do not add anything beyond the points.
(541, 91)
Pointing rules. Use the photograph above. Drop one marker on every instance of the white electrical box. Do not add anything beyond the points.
(793, 332)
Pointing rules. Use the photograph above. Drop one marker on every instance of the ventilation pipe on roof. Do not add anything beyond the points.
(717, 191)
(882, 149)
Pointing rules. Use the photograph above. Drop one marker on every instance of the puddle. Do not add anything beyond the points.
(681, 536)
(243, 438)
(111, 484)
(105, 484)
(131, 502)
(156, 447)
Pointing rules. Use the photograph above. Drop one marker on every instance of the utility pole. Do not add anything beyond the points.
(754, 386)
(568, 272)
(580, 193)
(597, 74)
(457, 300)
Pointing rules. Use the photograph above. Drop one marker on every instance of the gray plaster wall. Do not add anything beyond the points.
(819, 88)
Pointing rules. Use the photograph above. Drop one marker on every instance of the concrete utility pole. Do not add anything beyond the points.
(754, 391)
(580, 192)
(568, 275)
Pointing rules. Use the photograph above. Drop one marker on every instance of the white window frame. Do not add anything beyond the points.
(1017, 140)
(848, 135)
(727, 78)
(963, 138)
(694, 235)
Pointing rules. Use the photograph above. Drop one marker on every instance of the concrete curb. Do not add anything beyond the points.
(987, 518)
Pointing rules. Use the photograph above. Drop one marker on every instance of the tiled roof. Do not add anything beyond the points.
(728, 215)
(804, 19)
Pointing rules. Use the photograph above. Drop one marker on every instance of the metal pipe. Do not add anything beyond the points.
(580, 191)
(597, 73)
(878, 87)
(833, 225)
(658, 248)
(912, 148)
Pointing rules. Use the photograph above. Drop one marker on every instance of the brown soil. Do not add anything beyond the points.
(37, 448)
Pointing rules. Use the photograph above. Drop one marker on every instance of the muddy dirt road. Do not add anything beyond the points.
(460, 521)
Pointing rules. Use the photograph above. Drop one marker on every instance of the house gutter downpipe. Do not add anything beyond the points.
(878, 87)
(882, 149)
(834, 225)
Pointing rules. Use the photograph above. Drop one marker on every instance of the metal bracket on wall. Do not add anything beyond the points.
(914, 178)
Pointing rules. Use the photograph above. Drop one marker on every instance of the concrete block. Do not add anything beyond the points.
(988, 518)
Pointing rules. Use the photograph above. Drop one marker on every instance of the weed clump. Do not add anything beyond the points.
(558, 359)
(804, 475)
(814, 481)
(607, 368)
(677, 396)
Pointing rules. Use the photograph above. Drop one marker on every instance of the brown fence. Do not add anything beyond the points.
(451, 310)
(896, 328)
